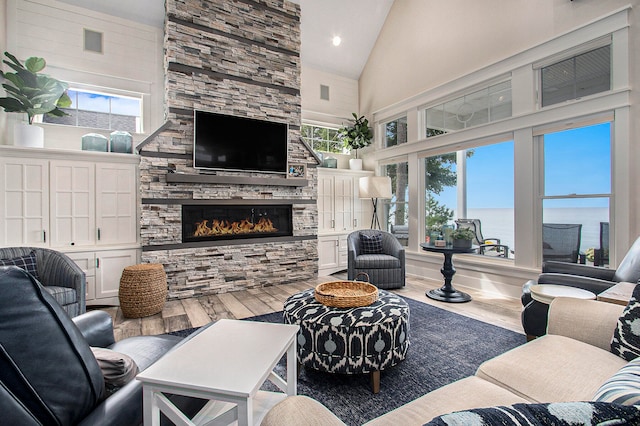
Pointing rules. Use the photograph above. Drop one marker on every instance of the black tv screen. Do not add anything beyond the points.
(226, 142)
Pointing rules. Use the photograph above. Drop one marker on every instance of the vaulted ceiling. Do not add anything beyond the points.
(356, 22)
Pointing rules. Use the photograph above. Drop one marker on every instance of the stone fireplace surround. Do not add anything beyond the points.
(238, 57)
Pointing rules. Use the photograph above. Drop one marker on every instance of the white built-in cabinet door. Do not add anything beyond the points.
(73, 220)
(325, 203)
(343, 198)
(24, 202)
(116, 192)
(109, 267)
(328, 254)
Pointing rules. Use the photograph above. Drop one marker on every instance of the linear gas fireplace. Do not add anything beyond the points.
(230, 222)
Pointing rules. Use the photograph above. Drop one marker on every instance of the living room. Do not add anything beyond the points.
(175, 68)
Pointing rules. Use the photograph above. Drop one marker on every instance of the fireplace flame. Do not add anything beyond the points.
(224, 227)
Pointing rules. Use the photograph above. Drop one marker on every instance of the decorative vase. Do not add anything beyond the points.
(95, 142)
(121, 142)
(28, 135)
(457, 243)
(355, 164)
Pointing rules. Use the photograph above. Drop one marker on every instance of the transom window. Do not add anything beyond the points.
(101, 111)
(573, 78)
(395, 132)
(324, 139)
(473, 109)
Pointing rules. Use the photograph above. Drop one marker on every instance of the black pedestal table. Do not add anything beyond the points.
(447, 293)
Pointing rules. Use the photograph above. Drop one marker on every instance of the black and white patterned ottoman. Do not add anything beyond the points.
(350, 340)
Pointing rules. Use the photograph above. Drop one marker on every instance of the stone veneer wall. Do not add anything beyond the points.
(238, 57)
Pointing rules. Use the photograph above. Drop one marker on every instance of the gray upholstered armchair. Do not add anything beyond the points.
(59, 275)
(384, 263)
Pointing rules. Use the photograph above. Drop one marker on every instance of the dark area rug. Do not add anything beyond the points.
(444, 347)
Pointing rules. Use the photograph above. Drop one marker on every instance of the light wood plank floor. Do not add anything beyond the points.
(195, 312)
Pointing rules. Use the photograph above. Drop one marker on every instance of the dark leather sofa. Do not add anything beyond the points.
(591, 278)
(48, 373)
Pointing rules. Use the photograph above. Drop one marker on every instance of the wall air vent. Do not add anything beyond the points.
(92, 41)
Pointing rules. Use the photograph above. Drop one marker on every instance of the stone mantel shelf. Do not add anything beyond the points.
(241, 180)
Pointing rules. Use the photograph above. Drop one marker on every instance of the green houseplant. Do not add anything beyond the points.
(32, 92)
(462, 237)
(355, 136)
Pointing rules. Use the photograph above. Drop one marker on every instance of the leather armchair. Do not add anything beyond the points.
(60, 276)
(48, 373)
(591, 278)
(385, 270)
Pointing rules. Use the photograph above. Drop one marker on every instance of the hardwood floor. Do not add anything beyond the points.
(195, 312)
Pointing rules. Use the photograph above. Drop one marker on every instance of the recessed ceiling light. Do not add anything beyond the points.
(336, 40)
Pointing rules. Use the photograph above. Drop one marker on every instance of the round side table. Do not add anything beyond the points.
(360, 340)
(545, 293)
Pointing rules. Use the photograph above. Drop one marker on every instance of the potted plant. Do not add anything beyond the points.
(357, 135)
(33, 93)
(462, 237)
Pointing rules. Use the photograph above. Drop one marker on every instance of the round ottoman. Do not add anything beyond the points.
(143, 290)
(360, 340)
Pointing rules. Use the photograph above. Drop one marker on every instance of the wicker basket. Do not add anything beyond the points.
(346, 294)
(143, 290)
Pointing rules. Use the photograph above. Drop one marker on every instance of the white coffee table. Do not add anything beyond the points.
(227, 364)
(545, 293)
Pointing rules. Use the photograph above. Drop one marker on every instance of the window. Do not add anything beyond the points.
(579, 76)
(396, 132)
(576, 193)
(480, 107)
(477, 184)
(324, 139)
(396, 210)
(101, 111)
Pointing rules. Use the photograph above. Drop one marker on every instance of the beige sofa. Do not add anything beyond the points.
(570, 363)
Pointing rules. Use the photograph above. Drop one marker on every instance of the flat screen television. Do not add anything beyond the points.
(226, 142)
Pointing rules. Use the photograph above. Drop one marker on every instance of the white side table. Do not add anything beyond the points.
(226, 364)
(545, 293)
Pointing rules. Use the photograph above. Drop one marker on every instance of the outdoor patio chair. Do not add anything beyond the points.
(601, 255)
(561, 242)
(487, 246)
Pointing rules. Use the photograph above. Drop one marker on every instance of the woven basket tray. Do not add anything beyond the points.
(346, 294)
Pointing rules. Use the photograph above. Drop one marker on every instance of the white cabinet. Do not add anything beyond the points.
(340, 211)
(104, 270)
(24, 202)
(73, 208)
(116, 207)
(339, 206)
(81, 203)
(332, 253)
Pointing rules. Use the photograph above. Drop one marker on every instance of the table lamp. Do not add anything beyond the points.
(375, 187)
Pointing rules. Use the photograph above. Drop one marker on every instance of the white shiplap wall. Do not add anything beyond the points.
(132, 62)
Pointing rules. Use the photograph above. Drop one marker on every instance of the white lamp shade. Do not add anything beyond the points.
(375, 187)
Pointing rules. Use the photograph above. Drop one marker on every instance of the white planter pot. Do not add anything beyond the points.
(29, 136)
(355, 164)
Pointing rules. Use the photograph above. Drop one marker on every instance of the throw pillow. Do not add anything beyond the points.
(623, 387)
(626, 337)
(557, 413)
(27, 263)
(371, 244)
(117, 368)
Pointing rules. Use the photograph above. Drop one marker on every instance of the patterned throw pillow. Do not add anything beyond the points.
(626, 337)
(623, 387)
(371, 244)
(28, 263)
(557, 413)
